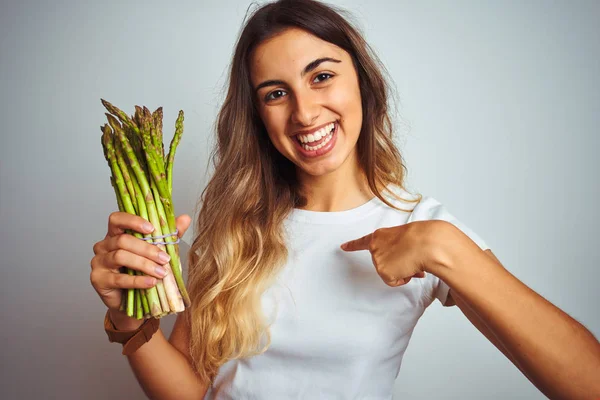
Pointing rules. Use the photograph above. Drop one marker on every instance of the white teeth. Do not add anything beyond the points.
(311, 148)
(318, 135)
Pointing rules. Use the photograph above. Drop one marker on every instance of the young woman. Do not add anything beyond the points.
(312, 263)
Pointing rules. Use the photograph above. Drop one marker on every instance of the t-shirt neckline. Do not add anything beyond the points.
(335, 217)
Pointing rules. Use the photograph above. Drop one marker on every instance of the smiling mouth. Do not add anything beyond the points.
(316, 140)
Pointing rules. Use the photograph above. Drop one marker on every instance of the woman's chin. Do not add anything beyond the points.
(322, 168)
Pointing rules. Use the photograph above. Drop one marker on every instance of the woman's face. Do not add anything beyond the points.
(309, 100)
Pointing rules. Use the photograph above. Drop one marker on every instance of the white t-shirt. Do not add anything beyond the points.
(337, 330)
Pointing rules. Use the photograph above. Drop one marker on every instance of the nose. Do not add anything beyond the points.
(306, 109)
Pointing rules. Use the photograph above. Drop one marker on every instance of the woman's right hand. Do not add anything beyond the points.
(119, 249)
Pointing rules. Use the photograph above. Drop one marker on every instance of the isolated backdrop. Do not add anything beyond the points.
(503, 104)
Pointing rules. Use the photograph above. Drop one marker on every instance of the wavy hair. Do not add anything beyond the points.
(240, 244)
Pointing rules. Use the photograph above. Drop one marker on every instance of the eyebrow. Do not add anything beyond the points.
(310, 67)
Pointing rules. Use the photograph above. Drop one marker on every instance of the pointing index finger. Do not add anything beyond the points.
(358, 244)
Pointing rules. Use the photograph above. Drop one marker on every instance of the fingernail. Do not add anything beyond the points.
(148, 227)
(150, 281)
(164, 257)
(160, 271)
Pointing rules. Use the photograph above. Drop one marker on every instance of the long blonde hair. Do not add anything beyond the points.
(240, 245)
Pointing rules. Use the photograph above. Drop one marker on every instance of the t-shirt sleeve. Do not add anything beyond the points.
(431, 209)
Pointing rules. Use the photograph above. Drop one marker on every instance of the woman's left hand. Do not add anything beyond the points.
(400, 253)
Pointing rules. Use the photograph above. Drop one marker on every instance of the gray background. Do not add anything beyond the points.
(503, 104)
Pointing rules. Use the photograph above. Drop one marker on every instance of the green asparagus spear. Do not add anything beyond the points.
(172, 148)
(157, 116)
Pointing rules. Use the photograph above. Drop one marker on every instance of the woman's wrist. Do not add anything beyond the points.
(122, 322)
(446, 244)
(454, 255)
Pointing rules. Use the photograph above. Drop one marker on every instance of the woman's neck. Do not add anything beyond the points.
(343, 189)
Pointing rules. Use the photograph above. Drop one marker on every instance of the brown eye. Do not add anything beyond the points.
(322, 77)
(274, 95)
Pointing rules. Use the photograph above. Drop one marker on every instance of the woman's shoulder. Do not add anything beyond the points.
(401, 198)
(425, 208)
(420, 206)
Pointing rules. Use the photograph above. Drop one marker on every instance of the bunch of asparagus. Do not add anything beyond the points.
(142, 177)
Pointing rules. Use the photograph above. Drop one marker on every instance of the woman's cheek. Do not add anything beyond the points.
(269, 119)
(347, 97)
(348, 105)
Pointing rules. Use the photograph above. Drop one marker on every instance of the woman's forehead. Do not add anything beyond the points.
(289, 52)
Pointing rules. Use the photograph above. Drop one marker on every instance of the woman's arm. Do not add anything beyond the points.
(454, 299)
(556, 353)
(164, 369)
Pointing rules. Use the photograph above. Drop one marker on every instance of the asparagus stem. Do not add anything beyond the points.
(144, 302)
(157, 116)
(173, 294)
(123, 306)
(156, 168)
(144, 296)
(130, 299)
(135, 302)
(156, 141)
(162, 295)
(139, 312)
(119, 201)
(174, 143)
(151, 293)
(126, 176)
(107, 140)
